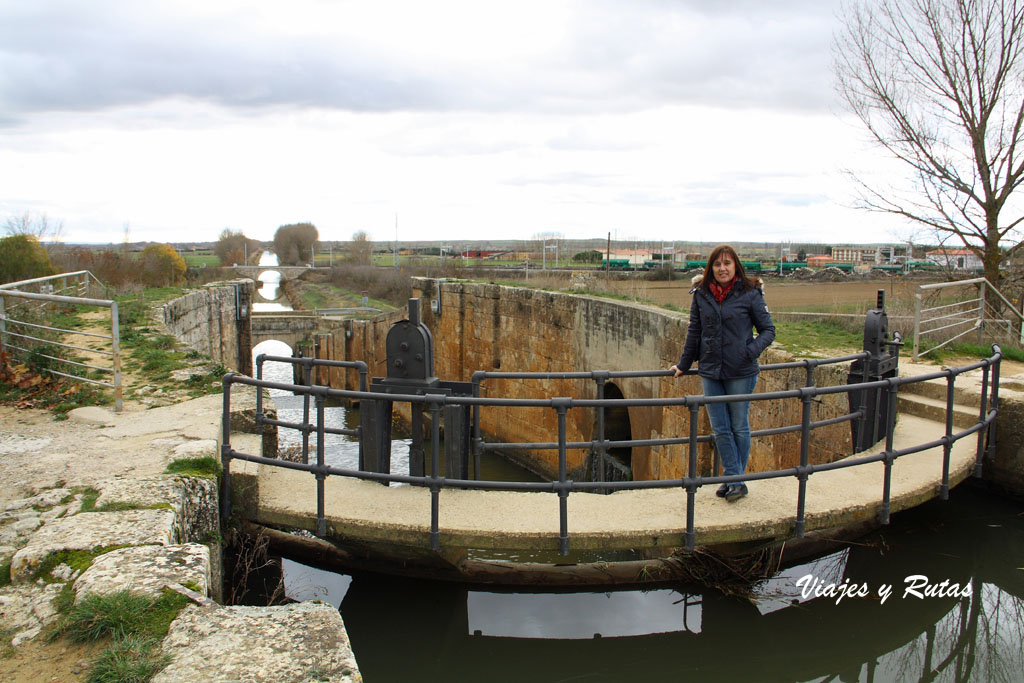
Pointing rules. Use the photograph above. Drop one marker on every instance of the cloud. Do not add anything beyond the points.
(402, 56)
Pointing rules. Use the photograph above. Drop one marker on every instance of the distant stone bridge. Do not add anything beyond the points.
(254, 272)
(291, 327)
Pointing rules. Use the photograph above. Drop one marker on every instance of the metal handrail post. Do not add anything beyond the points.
(321, 475)
(259, 392)
(562, 406)
(995, 402)
(982, 416)
(225, 449)
(435, 457)
(691, 489)
(947, 447)
(802, 473)
(305, 416)
(890, 458)
(477, 438)
(3, 322)
(602, 450)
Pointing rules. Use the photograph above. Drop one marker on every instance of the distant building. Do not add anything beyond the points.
(861, 254)
(957, 259)
(819, 260)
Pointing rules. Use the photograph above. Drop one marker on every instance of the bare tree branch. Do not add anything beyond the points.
(939, 86)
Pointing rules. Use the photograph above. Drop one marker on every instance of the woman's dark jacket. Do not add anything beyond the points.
(720, 336)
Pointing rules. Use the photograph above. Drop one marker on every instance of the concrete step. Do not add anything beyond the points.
(935, 409)
(936, 389)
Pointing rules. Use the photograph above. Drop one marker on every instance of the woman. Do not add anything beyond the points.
(727, 307)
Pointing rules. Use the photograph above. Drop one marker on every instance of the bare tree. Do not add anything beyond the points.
(360, 248)
(939, 85)
(39, 226)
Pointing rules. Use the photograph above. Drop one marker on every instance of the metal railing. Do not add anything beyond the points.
(19, 331)
(310, 367)
(563, 486)
(962, 317)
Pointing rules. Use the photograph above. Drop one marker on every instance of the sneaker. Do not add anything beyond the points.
(735, 492)
(722, 490)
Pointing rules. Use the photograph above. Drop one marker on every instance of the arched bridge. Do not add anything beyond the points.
(291, 327)
(254, 272)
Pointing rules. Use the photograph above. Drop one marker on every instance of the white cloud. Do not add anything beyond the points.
(663, 119)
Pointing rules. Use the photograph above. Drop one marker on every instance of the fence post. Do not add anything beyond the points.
(981, 311)
(115, 347)
(917, 322)
(3, 323)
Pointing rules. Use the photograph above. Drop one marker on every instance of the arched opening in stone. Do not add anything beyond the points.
(274, 371)
(619, 461)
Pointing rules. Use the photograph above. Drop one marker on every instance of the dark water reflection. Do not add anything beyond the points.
(404, 630)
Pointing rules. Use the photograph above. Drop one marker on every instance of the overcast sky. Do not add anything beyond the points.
(648, 119)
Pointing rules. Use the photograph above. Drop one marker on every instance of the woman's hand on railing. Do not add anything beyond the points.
(677, 372)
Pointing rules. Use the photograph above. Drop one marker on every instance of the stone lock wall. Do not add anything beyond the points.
(494, 327)
(214, 321)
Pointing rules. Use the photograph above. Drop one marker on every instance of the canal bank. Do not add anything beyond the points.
(89, 507)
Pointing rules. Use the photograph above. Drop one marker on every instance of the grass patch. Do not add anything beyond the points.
(963, 350)
(121, 614)
(133, 658)
(134, 623)
(89, 496)
(6, 649)
(79, 560)
(202, 466)
(810, 338)
(5, 573)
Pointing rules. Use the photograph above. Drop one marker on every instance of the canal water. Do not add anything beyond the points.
(938, 595)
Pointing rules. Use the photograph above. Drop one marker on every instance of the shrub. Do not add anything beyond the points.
(22, 257)
(161, 265)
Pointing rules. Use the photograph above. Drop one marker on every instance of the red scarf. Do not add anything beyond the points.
(720, 292)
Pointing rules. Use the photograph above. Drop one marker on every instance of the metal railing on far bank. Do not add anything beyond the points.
(27, 328)
(455, 406)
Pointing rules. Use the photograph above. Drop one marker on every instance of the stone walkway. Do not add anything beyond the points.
(46, 471)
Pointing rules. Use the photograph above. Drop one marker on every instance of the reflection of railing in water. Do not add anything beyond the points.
(563, 486)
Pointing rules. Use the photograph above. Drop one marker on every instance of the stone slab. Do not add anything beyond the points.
(147, 569)
(26, 610)
(193, 499)
(92, 415)
(296, 643)
(90, 530)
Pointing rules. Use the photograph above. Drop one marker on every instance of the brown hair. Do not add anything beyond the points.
(745, 282)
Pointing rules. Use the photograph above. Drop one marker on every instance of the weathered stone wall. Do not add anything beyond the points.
(494, 327)
(214, 321)
(357, 340)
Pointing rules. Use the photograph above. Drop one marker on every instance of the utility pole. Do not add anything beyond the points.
(394, 252)
(608, 257)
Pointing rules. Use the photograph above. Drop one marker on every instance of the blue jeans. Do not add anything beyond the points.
(730, 421)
